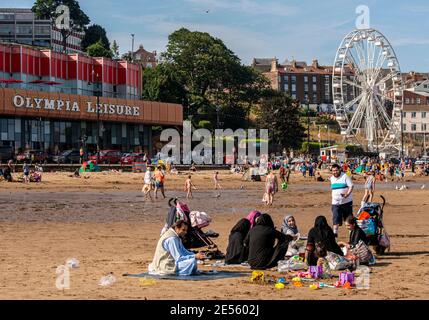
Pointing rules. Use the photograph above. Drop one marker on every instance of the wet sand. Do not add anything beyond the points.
(104, 223)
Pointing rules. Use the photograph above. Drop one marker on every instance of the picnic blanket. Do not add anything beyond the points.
(200, 276)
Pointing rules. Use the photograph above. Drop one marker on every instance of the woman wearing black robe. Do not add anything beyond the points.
(260, 241)
(320, 239)
(236, 253)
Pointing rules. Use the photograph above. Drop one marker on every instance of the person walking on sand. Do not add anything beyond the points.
(369, 188)
(271, 187)
(188, 187)
(216, 180)
(26, 170)
(159, 182)
(342, 200)
(147, 187)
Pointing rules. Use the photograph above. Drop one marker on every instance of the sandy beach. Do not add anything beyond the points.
(106, 225)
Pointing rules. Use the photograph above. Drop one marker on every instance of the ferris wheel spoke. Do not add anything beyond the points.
(382, 110)
(357, 117)
(361, 55)
(353, 84)
(352, 102)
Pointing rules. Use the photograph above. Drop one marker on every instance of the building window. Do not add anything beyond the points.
(407, 100)
(314, 87)
(314, 97)
(293, 79)
(413, 114)
(306, 87)
(424, 127)
(423, 114)
(293, 87)
(294, 95)
(418, 100)
(306, 97)
(404, 127)
(413, 127)
(314, 79)
(306, 79)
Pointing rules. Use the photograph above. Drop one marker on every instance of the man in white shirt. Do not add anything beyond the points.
(342, 200)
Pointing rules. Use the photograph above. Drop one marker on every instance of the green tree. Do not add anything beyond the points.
(98, 50)
(47, 9)
(161, 84)
(201, 62)
(94, 33)
(115, 49)
(278, 113)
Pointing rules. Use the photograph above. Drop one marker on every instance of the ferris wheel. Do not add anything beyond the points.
(367, 91)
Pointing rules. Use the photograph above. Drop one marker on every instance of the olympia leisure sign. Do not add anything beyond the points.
(73, 106)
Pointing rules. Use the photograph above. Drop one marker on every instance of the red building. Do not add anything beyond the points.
(48, 102)
(47, 70)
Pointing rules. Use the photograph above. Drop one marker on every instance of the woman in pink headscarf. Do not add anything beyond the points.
(252, 217)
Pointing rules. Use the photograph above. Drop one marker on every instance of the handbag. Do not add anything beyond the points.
(363, 253)
(384, 240)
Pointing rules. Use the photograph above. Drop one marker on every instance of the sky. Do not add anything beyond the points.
(286, 29)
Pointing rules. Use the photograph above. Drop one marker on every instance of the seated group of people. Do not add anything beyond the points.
(254, 240)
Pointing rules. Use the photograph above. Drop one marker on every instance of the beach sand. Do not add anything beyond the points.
(104, 223)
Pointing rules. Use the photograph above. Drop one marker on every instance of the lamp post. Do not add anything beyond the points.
(308, 126)
(97, 79)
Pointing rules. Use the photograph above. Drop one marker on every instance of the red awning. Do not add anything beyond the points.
(10, 81)
(37, 81)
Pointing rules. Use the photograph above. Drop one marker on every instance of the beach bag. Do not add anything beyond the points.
(384, 240)
(295, 263)
(337, 262)
(363, 253)
(368, 226)
(316, 272)
(199, 219)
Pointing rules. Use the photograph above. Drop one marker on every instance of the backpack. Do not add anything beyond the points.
(363, 253)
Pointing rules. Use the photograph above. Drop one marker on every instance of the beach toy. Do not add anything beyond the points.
(257, 276)
(296, 281)
(337, 284)
(147, 281)
(284, 185)
(314, 286)
(316, 271)
(324, 285)
(347, 277)
(280, 286)
(347, 285)
(281, 280)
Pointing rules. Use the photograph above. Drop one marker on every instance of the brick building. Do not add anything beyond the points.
(145, 58)
(310, 84)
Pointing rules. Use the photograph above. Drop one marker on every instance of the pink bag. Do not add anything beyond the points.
(347, 277)
(199, 219)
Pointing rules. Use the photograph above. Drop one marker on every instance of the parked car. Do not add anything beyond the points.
(6, 153)
(35, 156)
(422, 160)
(68, 156)
(108, 157)
(129, 158)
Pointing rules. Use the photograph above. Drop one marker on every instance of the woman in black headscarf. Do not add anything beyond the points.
(320, 239)
(260, 241)
(236, 253)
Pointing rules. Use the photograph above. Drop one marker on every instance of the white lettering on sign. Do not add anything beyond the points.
(18, 101)
(69, 106)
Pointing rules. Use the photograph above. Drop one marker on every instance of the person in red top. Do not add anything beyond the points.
(345, 167)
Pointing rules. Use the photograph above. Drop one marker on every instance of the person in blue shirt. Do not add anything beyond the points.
(171, 257)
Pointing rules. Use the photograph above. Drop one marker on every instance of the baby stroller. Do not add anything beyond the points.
(196, 237)
(370, 220)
